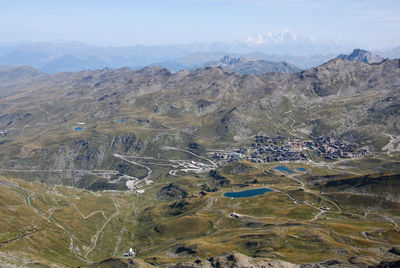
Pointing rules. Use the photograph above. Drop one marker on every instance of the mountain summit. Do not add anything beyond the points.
(363, 56)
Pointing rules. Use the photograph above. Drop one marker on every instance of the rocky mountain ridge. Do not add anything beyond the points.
(244, 65)
(363, 56)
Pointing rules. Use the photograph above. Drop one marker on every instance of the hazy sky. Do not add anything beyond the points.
(371, 23)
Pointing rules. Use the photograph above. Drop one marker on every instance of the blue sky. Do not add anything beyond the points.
(373, 24)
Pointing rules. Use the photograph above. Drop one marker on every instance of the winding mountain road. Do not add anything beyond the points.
(125, 158)
(102, 228)
(189, 152)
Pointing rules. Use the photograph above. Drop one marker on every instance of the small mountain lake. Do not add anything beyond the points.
(120, 120)
(78, 129)
(301, 169)
(283, 168)
(248, 193)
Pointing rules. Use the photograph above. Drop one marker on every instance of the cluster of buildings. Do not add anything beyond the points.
(331, 148)
(281, 148)
(228, 156)
(276, 149)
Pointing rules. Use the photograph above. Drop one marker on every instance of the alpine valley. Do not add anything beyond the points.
(97, 162)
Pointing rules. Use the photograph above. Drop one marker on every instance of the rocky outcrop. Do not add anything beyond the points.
(126, 143)
(218, 179)
(363, 56)
(117, 263)
(204, 106)
(77, 155)
(178, 207)
(186, 250)
(171, 192)
(233, 124)
(386, 264)
(236, 260)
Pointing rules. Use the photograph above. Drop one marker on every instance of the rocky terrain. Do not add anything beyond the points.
(363, 56)
(235, 259)
(137, 147)
(135, 112)
(244, 65)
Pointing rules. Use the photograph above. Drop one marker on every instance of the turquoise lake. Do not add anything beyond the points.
(283, 168)
(248, 193)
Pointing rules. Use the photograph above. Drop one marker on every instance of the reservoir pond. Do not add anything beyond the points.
(248, 193)
(283, 168)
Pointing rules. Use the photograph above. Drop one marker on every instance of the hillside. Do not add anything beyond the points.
(349, 100)
(12, 75)
(288, 227)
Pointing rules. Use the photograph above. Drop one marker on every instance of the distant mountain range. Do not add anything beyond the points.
(11, 75)
(196, 60)
(59, 57)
